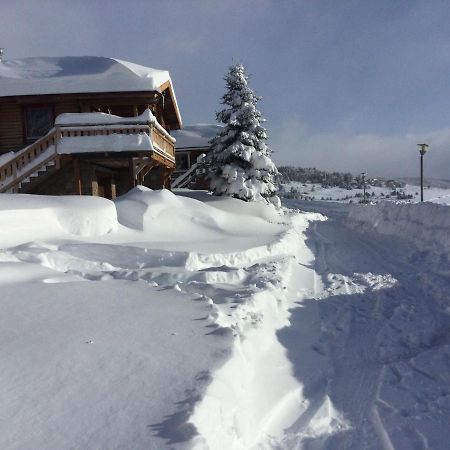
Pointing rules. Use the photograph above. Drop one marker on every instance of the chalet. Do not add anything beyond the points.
(192, 142)
(85, 125)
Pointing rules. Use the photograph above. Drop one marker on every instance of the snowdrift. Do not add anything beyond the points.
(30, 217)
(168, 218)
(425, 225)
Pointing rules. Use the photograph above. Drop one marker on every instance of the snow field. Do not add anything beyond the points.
(162, 321)
(431, 194)
(125, 323)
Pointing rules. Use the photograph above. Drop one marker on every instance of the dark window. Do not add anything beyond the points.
(121, 110)
(182, 161)
(38, 121)
(104, 181)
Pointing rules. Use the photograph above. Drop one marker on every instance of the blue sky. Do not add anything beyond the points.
(346, 85)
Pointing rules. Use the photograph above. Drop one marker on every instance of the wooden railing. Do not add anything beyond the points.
(160, 138)
(163, 141)
(29, 160)
(100, 130)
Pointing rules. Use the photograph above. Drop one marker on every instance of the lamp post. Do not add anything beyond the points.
(422, 151)
(363, 175)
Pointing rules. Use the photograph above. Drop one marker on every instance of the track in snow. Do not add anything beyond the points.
(372, 350)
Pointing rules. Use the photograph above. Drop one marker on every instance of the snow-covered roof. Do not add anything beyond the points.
(195, 136)
(76, 74)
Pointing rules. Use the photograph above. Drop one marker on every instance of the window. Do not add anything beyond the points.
(181, 161)
(38, 121)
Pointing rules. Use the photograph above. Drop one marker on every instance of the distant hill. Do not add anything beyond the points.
(313, 175)
(326, 179)
(433, 182)
(348, 180)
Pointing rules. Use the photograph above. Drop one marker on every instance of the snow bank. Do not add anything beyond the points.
(264, 211)
(426, 225)
(25, 217)
(254, 396)
(168, 218)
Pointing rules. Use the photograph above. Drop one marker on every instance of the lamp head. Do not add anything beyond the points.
(423, 148)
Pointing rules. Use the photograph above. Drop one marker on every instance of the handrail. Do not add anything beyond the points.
(186, 176)
(162, 142)
(13, 172)
(198, 168)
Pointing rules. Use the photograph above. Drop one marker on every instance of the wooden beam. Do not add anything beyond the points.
(76, 177)
(166, 174)
(131, 170)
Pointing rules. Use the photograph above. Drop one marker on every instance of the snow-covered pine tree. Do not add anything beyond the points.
(240, 164)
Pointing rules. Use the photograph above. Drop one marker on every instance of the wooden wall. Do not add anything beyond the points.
(11, 128)
(11, 122)
(12, 117)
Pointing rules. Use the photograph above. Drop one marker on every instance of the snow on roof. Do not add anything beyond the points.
(100, 118)
(195, 136)
(76, 74)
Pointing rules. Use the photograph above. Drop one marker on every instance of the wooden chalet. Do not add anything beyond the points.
(85, 125)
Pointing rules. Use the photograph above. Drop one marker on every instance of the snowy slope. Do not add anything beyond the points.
(187, 321)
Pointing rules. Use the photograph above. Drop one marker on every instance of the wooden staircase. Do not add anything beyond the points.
(28, 165)
(190, 178)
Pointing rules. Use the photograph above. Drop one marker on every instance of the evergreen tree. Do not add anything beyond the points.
(240, 164)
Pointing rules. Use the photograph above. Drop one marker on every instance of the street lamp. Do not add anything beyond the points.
(363, 175)
(422, 151)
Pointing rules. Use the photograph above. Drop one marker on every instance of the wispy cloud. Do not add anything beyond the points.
(378, 155)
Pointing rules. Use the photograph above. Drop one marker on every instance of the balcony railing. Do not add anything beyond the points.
(37, 155)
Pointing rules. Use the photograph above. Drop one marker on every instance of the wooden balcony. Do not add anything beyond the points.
(122, 140)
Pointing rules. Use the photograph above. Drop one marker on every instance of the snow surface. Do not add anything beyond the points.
(426, 224)
(105, 143)
(100, 118)
(6, 157)
(190, 321)
(376, 340)
(195, 136)
(76, 74)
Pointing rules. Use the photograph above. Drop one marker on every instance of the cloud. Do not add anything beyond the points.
(378, 155)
